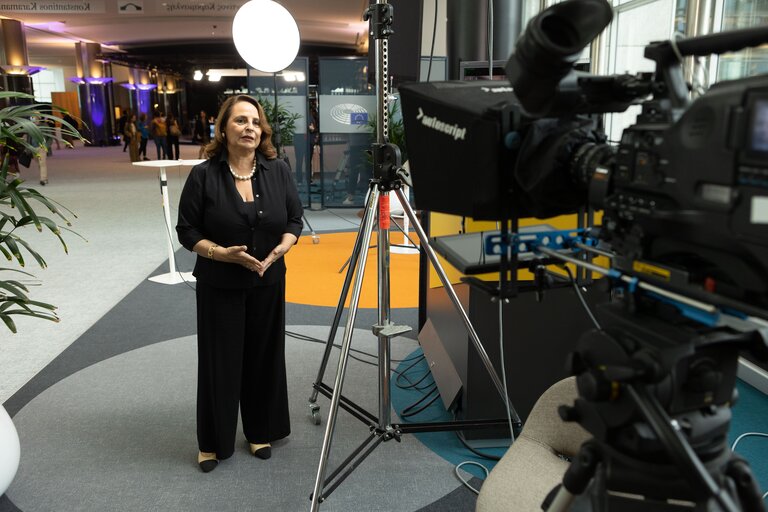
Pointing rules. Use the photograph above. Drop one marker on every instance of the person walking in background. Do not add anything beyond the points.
(72, 122)
(121, 126)
(240, 212)
(172, 141)
(202, 133)
(41, 155)
(159, 133)
(132, 135)
(143, 129)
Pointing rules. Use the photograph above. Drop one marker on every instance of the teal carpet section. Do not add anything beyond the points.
(751, 415)
(412, 383)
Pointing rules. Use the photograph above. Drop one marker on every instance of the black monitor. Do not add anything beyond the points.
(453, 131)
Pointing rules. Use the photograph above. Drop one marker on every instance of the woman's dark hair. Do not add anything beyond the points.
(218, 143)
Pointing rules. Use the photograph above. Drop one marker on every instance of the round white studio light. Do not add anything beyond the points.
(266, 35)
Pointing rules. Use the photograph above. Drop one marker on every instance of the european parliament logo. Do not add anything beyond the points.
(358, 118)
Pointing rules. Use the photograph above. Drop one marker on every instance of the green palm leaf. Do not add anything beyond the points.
(27, 127)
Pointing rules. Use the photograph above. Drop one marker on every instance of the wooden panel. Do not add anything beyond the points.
(68, 101)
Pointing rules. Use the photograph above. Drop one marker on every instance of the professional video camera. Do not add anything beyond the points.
(684, 196)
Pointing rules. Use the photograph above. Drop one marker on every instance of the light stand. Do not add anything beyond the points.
(270, 49)
(277, 141)
(387, 176)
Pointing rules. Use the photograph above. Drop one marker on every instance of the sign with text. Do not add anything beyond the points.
(197, 8)
(52, 7)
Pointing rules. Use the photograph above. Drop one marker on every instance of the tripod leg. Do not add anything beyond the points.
(313, 407)
(365, 229)
(457, 304)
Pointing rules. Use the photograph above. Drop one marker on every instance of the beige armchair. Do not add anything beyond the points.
(532, 466)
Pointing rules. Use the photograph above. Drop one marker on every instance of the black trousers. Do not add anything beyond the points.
(241, 361)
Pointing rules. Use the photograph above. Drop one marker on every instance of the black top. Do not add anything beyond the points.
(211, 208)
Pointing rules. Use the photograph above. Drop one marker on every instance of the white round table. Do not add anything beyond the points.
(173, 276)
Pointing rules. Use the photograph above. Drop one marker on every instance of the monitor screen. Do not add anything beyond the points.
(759, 131)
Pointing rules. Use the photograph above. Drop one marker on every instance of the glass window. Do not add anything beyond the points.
(739, 14)
(46, 81)
(292, 90)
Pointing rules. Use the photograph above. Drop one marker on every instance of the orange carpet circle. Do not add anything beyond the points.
(315, 277)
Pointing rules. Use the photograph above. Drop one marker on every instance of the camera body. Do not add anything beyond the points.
(688, 194)
(684, 193)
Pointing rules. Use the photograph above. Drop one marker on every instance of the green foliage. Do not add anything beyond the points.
(286, 118)
(24, 127)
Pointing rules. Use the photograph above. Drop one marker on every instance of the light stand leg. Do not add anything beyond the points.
(345, 346)
(313, 407)
(457, 304)
(315, 238)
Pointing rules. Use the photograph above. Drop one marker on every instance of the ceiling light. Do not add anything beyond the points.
(9, 69)
(274, 46)
(198, 75)
(293, 76)
(213, 76)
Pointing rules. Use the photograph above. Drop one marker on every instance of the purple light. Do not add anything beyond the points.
(10, 69)
(97, 113)
(145, 87)
(128, 86)
(92, 80)
(144, 101)
(98, 81)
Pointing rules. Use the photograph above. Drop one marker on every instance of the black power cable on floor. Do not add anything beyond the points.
(408, 412)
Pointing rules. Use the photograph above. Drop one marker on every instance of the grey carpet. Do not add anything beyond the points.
(91, 441)
(119, 435)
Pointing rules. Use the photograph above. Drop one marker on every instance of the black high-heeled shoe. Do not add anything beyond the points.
(264, 452)
(207, 465)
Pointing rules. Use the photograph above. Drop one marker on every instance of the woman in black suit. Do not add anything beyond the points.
(240, 212)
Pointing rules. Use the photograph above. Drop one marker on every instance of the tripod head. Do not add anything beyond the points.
(655, 391)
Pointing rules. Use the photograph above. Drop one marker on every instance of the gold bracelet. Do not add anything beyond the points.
(211, 249)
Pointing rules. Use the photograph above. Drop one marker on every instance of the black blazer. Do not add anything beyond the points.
(211, 208)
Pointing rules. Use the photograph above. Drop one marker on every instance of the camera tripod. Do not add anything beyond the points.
(381, 427)
(656, 395)
(388, 176)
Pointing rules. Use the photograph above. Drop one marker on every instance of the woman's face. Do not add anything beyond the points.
(243, 131)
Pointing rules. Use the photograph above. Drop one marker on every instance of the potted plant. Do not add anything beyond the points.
(24, 130)
(282, 116)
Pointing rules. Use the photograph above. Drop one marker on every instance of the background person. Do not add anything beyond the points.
(159, 133)
(143, 129)
(202, 133)
(121, 128)
(172, 141)
(132, 136)
(240, 212)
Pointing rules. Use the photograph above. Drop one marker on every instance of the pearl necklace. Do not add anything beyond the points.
(243, 178)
